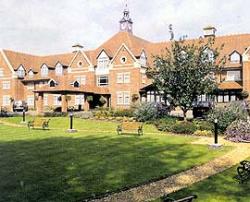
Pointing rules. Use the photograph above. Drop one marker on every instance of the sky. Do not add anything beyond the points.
(52, 26)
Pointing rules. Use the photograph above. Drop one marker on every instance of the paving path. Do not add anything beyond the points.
(176, 182)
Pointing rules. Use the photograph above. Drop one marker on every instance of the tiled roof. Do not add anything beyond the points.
(136, 44)
(34, 62)
(230, 85)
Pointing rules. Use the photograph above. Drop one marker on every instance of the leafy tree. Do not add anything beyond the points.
(185, 71)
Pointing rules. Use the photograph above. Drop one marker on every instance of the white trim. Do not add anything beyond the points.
(7, 62)
(123, 45)
(245, 56)
(85, 57)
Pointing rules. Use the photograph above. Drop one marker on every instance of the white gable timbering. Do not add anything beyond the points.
(103, 62)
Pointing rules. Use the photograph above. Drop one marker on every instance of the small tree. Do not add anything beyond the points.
(185, 71)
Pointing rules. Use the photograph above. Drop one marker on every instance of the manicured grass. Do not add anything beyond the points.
(52, 165)
(219, 188)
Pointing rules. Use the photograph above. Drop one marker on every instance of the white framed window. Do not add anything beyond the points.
(44, 70)
(79, 63)
(233, 76)
(6, 85)
(81, 79)
(102, 80)
(79, 99)
(52, 83)
(235, 57)
(123, 98)
(126, 98)
(30, 100)
(57, 100)
(126, 77)
(103, 61)
(59, 69)
(119, 78)
(20, 72)
(45, 100)
(6, 100)
(123, 77)
(120, 98)
(30, 86)
(123, 59)
(31, 73)
(1, 72)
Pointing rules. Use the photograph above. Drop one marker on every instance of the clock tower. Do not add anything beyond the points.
(126, 23)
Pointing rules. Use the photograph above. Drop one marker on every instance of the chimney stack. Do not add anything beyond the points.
(77, 47)
(209, 31)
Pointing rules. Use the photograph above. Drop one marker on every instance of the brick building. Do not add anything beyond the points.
(114, 72)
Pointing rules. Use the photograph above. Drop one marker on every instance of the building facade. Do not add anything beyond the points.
(113, 75)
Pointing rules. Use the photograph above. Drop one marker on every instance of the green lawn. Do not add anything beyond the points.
(52, 165)
(219, 188)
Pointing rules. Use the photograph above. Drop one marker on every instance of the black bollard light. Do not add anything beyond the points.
(23, 115)
(71, 127)
(215, 131)
(71, 121)
(216, 142)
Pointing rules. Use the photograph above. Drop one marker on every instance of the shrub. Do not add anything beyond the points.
(146, 112)
(238, 131)
(55, 114)
(83, 115)
(204, 125)
(103, 112)
(184, 127)
(226, 115)
(203, 133)
(124, 112)
(165, 124)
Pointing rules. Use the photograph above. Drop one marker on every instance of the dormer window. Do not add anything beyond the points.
(59, 69)
(76, 84)
(143, 59)
(103, 61)
(44, 70)
(31, 73)
(235, 57)
(209, 55)
(20, 72)
(52, 83)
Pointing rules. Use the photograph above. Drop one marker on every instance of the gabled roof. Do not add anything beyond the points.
(35, 62)
(135, 44)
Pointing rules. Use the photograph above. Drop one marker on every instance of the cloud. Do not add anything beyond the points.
(52, 26)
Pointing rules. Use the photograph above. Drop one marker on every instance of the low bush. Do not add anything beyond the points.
(183, 127)
(84, 115)
(165, 124)
(124, 112)
(55, 114)
(226, 115)
(238, 131)
(208, 133)
(204, 125)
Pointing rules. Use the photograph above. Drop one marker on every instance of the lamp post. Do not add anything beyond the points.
(23, 115)
(71, 129)
(216, 131)
(216, 142)
(71, 121)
